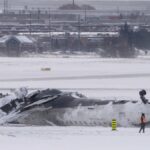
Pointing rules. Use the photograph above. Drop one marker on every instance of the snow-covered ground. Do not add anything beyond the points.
(94, 77)
(74, 138)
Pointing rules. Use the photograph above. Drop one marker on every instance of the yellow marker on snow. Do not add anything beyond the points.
(114, 124)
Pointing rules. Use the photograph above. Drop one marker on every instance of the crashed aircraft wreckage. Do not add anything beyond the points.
(54, 107)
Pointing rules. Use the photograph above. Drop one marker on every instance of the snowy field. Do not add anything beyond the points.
(72, 138)
(94, 77)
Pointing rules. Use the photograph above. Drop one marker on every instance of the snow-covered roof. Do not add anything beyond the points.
(21, 38)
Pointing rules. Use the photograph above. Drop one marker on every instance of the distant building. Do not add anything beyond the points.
(87, 7)
(14, 45)
(74, 6)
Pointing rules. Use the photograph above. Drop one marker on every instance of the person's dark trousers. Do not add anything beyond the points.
(142, 127)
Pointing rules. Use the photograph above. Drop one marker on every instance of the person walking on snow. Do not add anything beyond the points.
(143, 123)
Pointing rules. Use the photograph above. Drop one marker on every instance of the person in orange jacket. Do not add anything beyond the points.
(143, 123)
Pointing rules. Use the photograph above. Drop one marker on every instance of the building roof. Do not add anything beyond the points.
(20, 38)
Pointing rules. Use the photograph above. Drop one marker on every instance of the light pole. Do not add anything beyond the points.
(5, 6)
(39, 12)
(30, 22)
(85, 17)
(49, 28)
(79, 44)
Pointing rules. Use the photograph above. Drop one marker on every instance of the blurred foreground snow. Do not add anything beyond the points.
(74, 138)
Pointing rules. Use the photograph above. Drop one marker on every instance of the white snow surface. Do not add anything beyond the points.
(20, 38)
(74, 138)
(93, 77)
